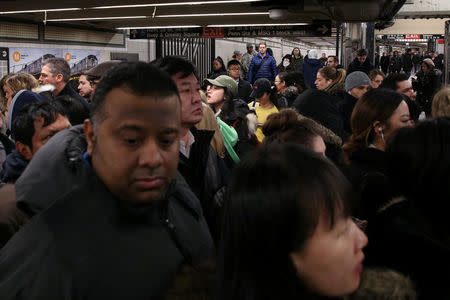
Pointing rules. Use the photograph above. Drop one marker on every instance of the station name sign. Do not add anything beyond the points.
(411, 37)
(317, 29)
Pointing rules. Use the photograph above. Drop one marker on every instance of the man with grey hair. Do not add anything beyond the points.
(56, 72)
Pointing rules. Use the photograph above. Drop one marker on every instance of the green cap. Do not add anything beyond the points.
(224, 81)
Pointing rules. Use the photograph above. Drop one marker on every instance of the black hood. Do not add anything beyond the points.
(13, 167)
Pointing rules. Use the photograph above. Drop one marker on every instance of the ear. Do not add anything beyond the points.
(59, 77)
(376, 128)
(90, 135)
(24, 150)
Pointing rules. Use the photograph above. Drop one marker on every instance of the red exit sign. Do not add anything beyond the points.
(213, 32)
(413, 36)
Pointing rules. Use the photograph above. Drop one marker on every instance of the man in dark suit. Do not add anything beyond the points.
(234, 71)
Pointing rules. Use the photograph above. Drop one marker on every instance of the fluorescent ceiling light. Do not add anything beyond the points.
(213, 15)
(176, 4)
(159, 27)
(37, 10)
(257, 25)
(98, 18)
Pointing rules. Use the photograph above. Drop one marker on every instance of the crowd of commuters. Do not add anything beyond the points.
(260, 181)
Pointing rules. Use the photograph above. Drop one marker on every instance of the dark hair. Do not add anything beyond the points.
(419, 166)
(299, 52)
(361, 52)
(23, 125)
(233, 62)
(220, 60)
(375, 105)
(282, 75)
(58, 65)
(296, 79)
(139, 78)
(335, 58)
(286, 127)
(229, 111)
(174, 65)
(288, 56)
(73, 109)
(390, 82)
(276, 197)
(270, 51)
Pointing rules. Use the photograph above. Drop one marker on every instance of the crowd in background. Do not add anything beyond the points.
(261, 181)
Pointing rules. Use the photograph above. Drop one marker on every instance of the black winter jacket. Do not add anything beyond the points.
(90, 245)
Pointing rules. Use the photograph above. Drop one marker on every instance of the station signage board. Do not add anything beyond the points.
(410, 37)
(317, 29)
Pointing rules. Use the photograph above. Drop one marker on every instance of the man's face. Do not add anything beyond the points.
(191, 103)
(404, 87)
(262, 49)
(249, 50)
(362, 59)
(359, 91)
(134, 150)
(47, 77)
(43, 134)
(331, 62)
(84, 87)
(234, 71)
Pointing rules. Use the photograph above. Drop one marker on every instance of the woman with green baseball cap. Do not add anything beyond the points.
(221, 96)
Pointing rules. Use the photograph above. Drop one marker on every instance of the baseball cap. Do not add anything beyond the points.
(249, 45)
(237, 52)
(101, 68)
(261, 86)
(224, 81)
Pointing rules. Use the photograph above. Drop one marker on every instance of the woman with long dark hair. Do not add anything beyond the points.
(287, 231)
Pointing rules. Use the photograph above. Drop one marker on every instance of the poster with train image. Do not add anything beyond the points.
(30, 60)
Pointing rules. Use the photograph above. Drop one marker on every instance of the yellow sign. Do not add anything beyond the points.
(68, 57)
(16, 56)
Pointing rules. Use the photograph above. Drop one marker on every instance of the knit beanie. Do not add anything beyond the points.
(355, 79)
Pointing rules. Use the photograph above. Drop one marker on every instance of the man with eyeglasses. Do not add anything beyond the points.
(56, 72)
(234, 71)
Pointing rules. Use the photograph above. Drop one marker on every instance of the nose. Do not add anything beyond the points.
(195, 96)
(150, 155)
(362, 239)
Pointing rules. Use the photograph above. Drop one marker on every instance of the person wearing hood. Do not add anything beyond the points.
(310, 67)
(286, 64)
(356, 85)
(32, 127)
(428, 83)
(218, 68)
(360, 63)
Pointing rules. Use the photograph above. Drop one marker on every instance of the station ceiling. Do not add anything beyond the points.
(121, 14)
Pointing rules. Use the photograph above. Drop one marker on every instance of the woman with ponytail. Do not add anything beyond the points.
(375, 119)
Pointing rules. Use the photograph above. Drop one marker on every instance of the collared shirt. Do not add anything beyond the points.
(186, 150)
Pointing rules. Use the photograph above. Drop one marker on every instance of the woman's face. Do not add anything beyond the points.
(377, 81)
(330, 263)
(424, 67)
(399, 119)
(8, 92)
(216, 65)
(296, 51)
(321, 82)
(278, 83)
(216, 96)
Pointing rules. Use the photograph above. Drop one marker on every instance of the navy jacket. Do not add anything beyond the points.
(262, 67)
(309, 69)
(346, 108)
(13, 167)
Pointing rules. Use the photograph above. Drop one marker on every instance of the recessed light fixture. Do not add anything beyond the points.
(257, 25)
(213, 15)
(176, 4)
(37, 10)
(159, 27)
(98, 18)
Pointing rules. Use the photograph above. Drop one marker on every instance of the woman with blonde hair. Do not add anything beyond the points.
(331, 81)
(18, 82)
(441, 104)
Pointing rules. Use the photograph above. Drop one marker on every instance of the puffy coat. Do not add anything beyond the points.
(262, 67)
(309, 69)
